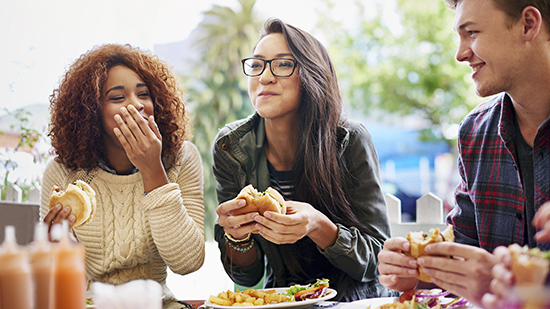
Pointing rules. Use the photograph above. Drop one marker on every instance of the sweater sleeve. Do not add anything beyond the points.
(176, 214)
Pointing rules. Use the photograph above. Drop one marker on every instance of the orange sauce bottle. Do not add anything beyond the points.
(69, 274)
(40, 253)
(15, 274)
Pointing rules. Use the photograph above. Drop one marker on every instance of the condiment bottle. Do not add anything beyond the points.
(15, 274)
(69, 273)
(40, 254)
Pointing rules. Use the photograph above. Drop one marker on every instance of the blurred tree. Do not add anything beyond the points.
(404, 65)
(218, 89)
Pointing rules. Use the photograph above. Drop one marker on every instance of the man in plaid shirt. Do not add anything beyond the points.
(504, 151)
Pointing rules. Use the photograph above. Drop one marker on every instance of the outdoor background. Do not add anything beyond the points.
(394, 59)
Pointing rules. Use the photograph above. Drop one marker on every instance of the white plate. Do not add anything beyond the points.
(298, 304)
(375, 302)
(90, 294)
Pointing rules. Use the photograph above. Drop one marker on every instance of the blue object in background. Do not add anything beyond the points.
(404, 149)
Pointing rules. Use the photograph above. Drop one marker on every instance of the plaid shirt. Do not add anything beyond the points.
(490, 202)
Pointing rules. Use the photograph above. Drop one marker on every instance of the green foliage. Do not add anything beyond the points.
(411, 71)
(406, 67)
(218, 89)
(28, 137)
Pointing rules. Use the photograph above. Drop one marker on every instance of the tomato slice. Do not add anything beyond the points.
(407, 295)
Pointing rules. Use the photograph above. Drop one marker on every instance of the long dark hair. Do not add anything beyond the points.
(320, 173)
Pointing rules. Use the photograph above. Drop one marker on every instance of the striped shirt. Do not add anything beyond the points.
(490, 199)
(281, 181)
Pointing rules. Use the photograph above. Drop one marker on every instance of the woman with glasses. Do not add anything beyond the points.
(299, 142)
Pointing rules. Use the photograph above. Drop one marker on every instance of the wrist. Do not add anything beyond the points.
(233, 240)
(241, 247)
(325, 234)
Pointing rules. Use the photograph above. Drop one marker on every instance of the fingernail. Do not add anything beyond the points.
(241, 203)
(117, 117)
(412, 271)
(57, 207)
(258, 227)
(413, 263)
(267, 214)
(420, 261)
(67, 209)
(72, 218)
(258, 219)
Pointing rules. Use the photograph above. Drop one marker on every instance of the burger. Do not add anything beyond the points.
(80, 197)
(529, 266)
(419, 241)
(269, 200)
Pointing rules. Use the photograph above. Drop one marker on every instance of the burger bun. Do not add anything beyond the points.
(419, 241)
(269, 200)
(528, 267)
(80, 197)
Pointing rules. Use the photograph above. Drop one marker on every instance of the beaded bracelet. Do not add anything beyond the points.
(230, 238)
(239, 249)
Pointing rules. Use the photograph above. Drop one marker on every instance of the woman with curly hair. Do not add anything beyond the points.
(300, 143)
(119, 123)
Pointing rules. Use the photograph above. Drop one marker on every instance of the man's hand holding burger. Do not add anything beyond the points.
(467, 274)
(518, 267)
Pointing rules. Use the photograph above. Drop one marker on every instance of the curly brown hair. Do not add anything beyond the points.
(76, 127)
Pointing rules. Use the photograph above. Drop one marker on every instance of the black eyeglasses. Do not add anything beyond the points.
(280, 67)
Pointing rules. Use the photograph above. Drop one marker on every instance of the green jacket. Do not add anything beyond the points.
(239, 160)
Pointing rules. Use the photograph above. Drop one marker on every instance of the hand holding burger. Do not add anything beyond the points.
(419, 241)
(518, 278)
(269, 200)
(79, 197)
(529, 266)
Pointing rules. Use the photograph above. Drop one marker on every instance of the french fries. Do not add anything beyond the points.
(248, 298)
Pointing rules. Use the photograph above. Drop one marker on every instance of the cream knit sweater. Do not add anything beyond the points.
(133, 236)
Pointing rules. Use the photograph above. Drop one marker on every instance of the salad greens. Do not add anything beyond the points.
(297, 288)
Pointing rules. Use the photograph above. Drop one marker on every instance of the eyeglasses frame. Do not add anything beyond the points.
(270, 68)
